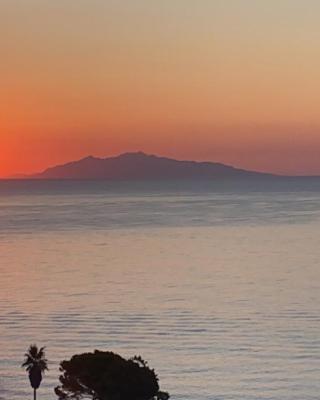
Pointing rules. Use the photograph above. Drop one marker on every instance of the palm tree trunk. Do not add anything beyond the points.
(34, 394)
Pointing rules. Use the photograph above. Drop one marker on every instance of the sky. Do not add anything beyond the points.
(232, 81)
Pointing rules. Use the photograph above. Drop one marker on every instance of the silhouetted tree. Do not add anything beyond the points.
(35, 364)
(104, 375)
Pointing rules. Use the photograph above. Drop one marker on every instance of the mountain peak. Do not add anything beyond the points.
(135, 154)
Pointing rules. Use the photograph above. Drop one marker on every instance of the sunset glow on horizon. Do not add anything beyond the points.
(228, 81)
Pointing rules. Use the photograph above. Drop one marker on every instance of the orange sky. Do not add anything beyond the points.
(232, 81)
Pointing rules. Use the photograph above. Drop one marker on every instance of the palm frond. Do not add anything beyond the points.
(35, 358)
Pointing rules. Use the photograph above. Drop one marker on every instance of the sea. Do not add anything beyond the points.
(214, 283)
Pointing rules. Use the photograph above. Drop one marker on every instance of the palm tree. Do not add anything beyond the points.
(35, 364)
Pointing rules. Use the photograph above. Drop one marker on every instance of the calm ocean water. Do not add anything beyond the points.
(215, 284)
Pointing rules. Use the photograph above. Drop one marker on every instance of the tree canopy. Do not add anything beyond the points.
(104, 375)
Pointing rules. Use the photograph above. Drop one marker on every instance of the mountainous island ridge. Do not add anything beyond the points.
(141, 166)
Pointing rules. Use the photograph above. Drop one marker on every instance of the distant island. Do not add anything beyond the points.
(141, 166)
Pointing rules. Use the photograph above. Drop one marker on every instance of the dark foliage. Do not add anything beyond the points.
(107, 376)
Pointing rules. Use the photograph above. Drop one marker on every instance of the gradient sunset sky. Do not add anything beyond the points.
(234, 81)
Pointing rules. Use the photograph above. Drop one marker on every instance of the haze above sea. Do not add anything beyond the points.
(215, 283)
